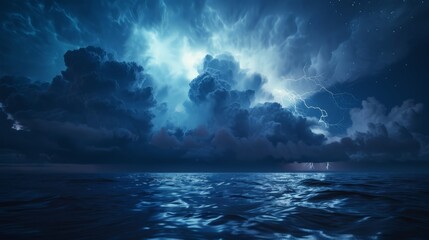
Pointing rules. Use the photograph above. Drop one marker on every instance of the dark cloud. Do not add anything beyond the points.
(381, 134)
(214, 92)
(372, 111)
(95, 105)
(100, 107)
(224, 67)
(210, 88)
(232, 126)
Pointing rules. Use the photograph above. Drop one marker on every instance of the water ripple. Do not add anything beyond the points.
(206, 206)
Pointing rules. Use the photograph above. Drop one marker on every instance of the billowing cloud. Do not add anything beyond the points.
(374, 112)
(101, 108)
(221, 79)
(382, 134)
(96, 104)
(296, 49)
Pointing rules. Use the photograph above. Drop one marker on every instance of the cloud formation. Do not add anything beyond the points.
(295, 48)
(96, 105)
(222, 80)
(379, 134)
(100, 108)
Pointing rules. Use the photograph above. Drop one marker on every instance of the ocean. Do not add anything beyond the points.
(214, 206)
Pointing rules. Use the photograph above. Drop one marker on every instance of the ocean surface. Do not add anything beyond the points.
(214, 206)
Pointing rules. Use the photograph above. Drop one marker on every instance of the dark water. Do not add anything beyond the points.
(214, 206)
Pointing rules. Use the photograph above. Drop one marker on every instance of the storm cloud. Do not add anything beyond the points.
(204, 81)
(96, 104)
(382, 134)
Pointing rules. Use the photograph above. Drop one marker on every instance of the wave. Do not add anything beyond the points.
(201, 206)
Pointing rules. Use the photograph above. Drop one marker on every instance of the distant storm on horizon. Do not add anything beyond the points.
(231, 84)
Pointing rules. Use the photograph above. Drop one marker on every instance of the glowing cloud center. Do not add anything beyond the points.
(174, 60)
(172, 53)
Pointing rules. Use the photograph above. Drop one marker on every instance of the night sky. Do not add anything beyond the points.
(180, 84)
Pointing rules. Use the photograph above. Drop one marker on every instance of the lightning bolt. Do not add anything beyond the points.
(16, 125)
(310, 165)
(293, 97)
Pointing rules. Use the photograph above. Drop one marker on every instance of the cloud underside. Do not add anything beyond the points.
(102, 110)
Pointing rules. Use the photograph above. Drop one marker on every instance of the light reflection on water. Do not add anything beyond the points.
(213, 205)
